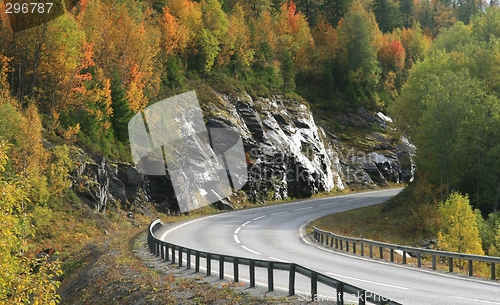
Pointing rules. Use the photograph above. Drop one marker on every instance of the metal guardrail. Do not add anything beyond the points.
(343, 243)
(167, 251)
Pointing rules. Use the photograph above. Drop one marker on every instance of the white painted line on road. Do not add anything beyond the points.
(277, 259)
(365, 281)
(278, 213)
(259, 217)
(162, 237)
(246, 223)
(324, 205)
(475, 300)
(250, 250)
(237, 230)
(236, 238)
(303, 209)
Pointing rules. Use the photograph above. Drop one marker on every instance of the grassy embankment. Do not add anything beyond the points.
(101, 260)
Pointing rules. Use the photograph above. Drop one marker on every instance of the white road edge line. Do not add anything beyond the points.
(474, 300)
(162, 237)
(259, 217)
(250, 250)
(236, 239)
(365, 281)
(301, 209)
(324, 205)
(246, 223)
(278, 213)
(237, 230)
(277, 259)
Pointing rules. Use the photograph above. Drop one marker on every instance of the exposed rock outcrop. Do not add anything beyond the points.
(287, 155)
(98, 181)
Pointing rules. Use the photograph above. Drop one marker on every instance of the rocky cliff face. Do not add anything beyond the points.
(287, 155)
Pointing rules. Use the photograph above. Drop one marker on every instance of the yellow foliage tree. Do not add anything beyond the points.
(24, 280)
(459, 230)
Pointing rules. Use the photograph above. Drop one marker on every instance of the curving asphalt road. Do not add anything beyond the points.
(277, 232)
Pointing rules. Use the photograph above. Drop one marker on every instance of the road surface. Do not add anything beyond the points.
(277, 232)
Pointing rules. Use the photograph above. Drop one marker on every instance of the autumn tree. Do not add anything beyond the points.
(459, 230)
(19, 284)
(294, 35)
(124, 42)
(175, 35)
(415, 44)
(213, 33)
(237, 51)
(392, 56)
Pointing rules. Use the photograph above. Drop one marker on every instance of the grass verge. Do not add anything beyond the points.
(373, 223)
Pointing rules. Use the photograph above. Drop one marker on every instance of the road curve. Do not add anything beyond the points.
(276, 232)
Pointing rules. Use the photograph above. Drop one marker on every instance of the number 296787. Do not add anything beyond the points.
(28, 8)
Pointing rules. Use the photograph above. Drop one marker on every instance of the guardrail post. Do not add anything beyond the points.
(331, 242)
(347, 245)
(209, 264)
(419, 260)
(493, 275)
(221, 267)
(341, 244)
(381, 252)
(371, 251)
(188, 263)
(270, 278)
(157, 247)
(404, 257)
(450, 264)
(197, 261)
(340, 293)
(252, 273)
(162, 250)
(167, 249)
(354, 247)
(392, 255)
(321, 238)
(362, 249)
(173, 254)
(433, 262)
(291, 280)
(236, 269)
(180, 256)
(336, 243)
(314, 285)
(471, 271)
